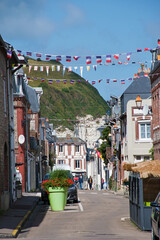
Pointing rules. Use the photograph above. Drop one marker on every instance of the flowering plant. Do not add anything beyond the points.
(56, 183)
(58, 178)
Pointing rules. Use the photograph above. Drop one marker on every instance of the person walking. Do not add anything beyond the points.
(90, 182)
(81, 181)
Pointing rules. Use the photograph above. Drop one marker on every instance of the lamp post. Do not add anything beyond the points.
(116, 130)
(138, 102)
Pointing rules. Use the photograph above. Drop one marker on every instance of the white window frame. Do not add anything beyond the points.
(77, 148)
(60, 148)
(145, 138)
(77, 164)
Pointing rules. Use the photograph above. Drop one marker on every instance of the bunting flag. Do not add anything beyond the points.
(119, 62)
(126, 63)
(9, 54)
(28, 53)
(81, 70)
(75, 68)
(19, 52)
(42, 79)
(108, 58)
(28, 78)
(114, 80)
(146, 49)
(64, 69)
(139, 50)
(79, 81)
(129, 79)
(58, 58)
(159, 42)
(50, 81)
(99, 59)
(99, 155)
(69, 69)
(52, 67)
(68, 58)
(116, 56)
(107, 80)
(58, 68)
(48, 57)
(65, 81)
(71, 81)
(38, 55)
(76, 57)
(122, 81)
(128, 56)
(30, 67)
(57, 81)
(88, 60)
(47, 70)
(95, 67)
(99, 80)
(88, 68)
(41, 68)
(93, 82)
(35, 68)
(146, 74)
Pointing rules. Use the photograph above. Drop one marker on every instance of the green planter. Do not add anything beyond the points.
(65, 197)
(57, 198)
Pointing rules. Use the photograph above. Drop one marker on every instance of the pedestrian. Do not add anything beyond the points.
(102, 183)
(90, 182)
(81, 181)
(85, 181)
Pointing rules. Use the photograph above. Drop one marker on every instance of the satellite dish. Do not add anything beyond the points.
(145, 110)
(116, 109)
(21, 139)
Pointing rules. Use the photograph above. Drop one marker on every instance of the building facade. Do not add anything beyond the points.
(71, 151)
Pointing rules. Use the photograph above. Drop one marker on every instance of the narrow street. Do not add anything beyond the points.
(98, 215)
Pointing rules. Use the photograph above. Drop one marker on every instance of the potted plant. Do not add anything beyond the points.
(57, 187)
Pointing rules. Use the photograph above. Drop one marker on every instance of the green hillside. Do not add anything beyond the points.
(65, 101)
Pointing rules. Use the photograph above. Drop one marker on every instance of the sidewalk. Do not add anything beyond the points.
(14, 218)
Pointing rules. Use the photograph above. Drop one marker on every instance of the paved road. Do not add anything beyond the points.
(99, 215)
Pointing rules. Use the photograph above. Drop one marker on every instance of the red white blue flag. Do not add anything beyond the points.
(48, 57)
(128, 56)
(38, 55)
(65, 81)
(19, 52)
(159, 42)
(93, 82)
(122, 81)
(129, 79)
(107, 80)
(146, 49)
(42, 79)
(76, 57)
(99, 59)
(71, 81)
(9, 53)
(50, 81)
(108, 58)
(139, 50)
(116, 56)
(68, 58)
(29, 53)
(58, 58)
(88, 60)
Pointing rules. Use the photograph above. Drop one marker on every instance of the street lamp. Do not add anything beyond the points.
(116, 129)
(138, 102)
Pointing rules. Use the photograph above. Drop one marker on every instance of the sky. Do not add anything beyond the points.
(86, 28)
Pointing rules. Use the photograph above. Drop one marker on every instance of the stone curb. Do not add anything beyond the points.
(17, 230)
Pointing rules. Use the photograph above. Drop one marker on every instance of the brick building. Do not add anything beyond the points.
(155, 91)
(6, 118)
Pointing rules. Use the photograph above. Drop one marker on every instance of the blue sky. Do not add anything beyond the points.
(85, 28)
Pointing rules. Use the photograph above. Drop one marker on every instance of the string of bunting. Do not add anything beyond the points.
(114, 80)
(58, 68)
(98, 58)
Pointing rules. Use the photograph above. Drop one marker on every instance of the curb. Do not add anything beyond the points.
(17, 230)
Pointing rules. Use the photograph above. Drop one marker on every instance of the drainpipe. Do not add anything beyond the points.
(9, 138)
(28, 161)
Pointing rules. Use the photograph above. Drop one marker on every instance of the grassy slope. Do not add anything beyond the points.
(65, 101)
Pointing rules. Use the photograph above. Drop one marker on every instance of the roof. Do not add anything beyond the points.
(140, 86)
(33, 99)
(146, 168)
(71, 140)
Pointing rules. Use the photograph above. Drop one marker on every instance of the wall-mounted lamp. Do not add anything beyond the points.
(115, 127)
(138, 102)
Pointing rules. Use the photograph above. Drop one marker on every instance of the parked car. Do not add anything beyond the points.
(155, 218)
(72, 194)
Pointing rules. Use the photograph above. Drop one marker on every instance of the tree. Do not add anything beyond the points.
(106, 143)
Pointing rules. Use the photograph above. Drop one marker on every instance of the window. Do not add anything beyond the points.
(77, 148)
(61, 162)
(60, 148)
(144, 131)
(77, 163)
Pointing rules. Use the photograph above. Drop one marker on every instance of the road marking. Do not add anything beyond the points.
(80, 206)
(105, 193)
(93, 193)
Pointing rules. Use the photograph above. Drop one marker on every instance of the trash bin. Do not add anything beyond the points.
(18, 189)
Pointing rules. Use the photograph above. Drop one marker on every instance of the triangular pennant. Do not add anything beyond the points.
(47, 70)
